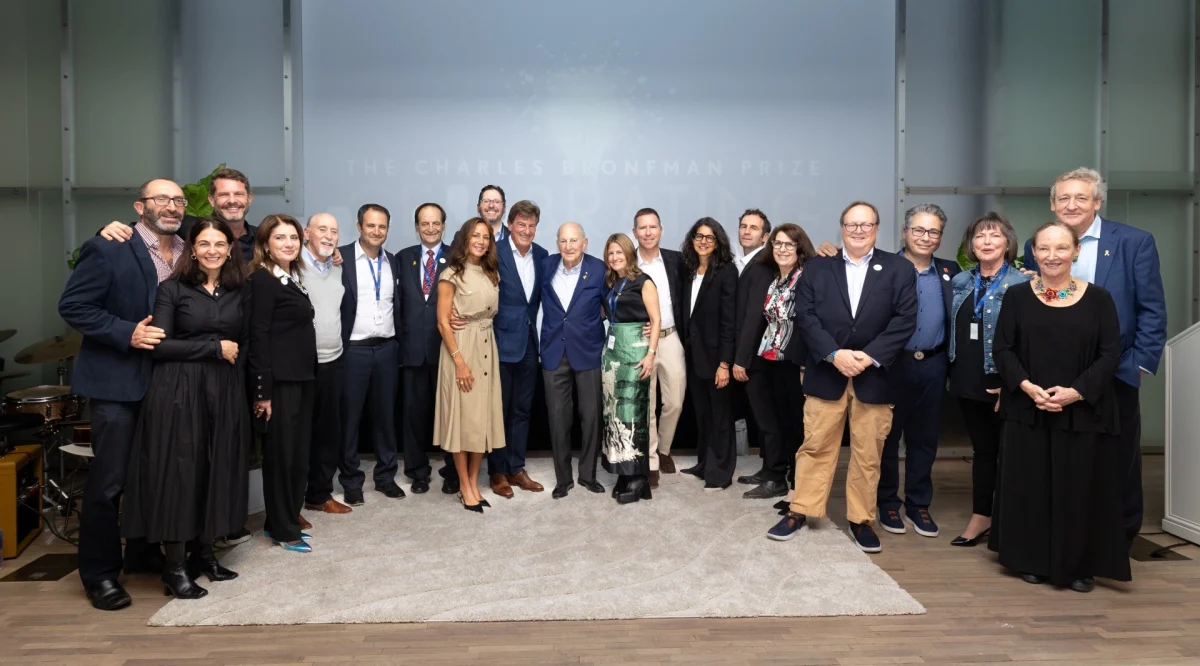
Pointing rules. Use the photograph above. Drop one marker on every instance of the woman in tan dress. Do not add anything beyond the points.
(469, 419)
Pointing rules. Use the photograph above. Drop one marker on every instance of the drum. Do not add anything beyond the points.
(53, 403)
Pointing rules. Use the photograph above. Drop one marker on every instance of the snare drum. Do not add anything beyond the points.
(53, 403)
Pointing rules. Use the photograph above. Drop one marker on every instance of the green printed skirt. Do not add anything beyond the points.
(626, 401)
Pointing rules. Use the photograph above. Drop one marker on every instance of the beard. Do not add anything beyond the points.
(325, 251)
(221, 215)
(163, 226)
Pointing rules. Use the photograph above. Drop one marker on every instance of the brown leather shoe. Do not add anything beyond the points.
(304, 524)
(521, 480)
(653, 479)
(330, 506)
(665, 465)
(500, 486)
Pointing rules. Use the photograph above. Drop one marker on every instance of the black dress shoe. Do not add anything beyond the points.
(450, 485)
(353, 497)
(767, 490)
(964, 542)
(420, 486)
(637, 489)
(1084, 584)
(752, 479)
(695, 470)
(782, 505)
(561, 490)
(391, 490)
(107, 595)
(1033, 579)
(593, 486)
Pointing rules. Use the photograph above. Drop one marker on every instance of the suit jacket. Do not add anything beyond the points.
(1127, 267)
(420, 341)
(753, 286)
(577, 331)
(113, 287)
(350, 298)
(517, 315)
(673, 260)
(710, 330)
(883, 325)
(283, 341)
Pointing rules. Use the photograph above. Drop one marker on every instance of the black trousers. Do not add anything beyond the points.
(415, 419)
(777, 399)
(917, 416)
(372, 375)
(566, 391)
(1129, 456)
(100, 557)
(285, 457)
(984, 427)
(715, 446)
(325, 456)
(517, 383)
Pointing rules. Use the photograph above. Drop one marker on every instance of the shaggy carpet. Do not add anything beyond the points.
(686, 553)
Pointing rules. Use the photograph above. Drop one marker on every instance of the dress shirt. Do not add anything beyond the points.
(856, 275)
(657, 270)
(526, 270)
(161, 267)
(365, 325)
(425, 250)
(1084, 267)
(931, 311)
(744, 260)
(564, 282)
(696, 282)
(320, 265)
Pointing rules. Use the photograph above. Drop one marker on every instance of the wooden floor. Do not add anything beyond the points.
(976, 613)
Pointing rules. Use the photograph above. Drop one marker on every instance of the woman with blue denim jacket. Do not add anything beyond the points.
(992, 245)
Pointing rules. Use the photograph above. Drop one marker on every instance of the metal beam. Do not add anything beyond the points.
(1195, 161)
(1102, 103)
(126, 189)
(1035, 191)
(288, 136)
(901, 120)
(67, 90)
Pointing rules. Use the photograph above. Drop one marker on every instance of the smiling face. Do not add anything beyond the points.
(230, 200)
(211, 249)
(571, 243)
(479, 242)
(164, 218)
(1075, 204)
(321, 236)
(989, 245)
(648, 231)
(491, 207)
(704, 242)
(859, 229)
(284, 244)
(923, 236)
(373, 230)
(785, 252)
(430, 226)
(614, 256)
(1055, 251)
(523, 228)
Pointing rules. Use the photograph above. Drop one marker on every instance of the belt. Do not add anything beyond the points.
(922, 354)
(666, 331)
(370, 342)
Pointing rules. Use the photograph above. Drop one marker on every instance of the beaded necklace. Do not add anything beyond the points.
(1050, 295)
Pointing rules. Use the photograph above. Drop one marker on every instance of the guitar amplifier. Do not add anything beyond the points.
(20, 498)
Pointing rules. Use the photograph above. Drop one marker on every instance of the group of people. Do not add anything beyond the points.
(199, 333)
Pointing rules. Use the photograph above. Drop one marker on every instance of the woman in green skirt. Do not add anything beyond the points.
(631, 308)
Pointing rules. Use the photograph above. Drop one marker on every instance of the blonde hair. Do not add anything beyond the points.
(1087, 175)
(631, 269)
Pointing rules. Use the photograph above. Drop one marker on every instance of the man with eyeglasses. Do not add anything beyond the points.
(1124, 261)
(491, 208)
(753, 230)
(921, 377)
(856, 312)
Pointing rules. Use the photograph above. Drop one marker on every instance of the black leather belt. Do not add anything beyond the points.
(369, 342)
(922, 354)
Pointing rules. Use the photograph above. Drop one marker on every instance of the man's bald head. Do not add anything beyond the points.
(321, 235)
(572, 243)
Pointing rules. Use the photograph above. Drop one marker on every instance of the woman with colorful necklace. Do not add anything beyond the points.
(1058, 506)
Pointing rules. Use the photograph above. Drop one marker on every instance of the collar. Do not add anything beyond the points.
(864, 261)
(518, 255)
(359, 252)
(1092, 231)
(314, 259)
(747, 256)
(657, 257)
(278, 272)
(562, 267)
(425, 250)
(152, 241)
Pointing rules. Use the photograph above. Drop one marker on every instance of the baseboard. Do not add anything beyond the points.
(1183, 529)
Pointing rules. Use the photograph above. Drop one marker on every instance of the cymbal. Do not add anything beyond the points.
(7, 333)
(58, 348)
(13, 375)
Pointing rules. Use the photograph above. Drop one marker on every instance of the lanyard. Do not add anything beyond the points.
(988, 294)
(377, 277)
(425, 276)
(613, 295)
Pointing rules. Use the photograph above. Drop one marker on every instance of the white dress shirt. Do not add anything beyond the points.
(744, 260)
(373, 319)
(696, 282)
(856, 276)
(657, 270)
(526, 270)
(1084, 267)
(564, 282)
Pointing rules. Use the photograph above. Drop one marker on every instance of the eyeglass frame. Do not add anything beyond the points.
(707, 238)
(919, 232)
(169, 200)
(860, 226)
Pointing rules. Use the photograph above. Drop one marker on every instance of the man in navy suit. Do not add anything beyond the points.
(1124, 261)
(370, 321)
(856, 313)
(419, 267)
(572, 342)
(521, 280)
(109, 298)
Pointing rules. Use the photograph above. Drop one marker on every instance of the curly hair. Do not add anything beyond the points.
(721, 253)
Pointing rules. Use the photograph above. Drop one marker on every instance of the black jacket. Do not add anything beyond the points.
(673, 261)
(420, 341)
(283, 341)
(708, 333)
(753, 286)
(350, 282)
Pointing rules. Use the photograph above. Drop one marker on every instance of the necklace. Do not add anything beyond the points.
(1050, 295)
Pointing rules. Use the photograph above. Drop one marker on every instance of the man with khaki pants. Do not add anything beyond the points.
(670, 372)
(856, 311)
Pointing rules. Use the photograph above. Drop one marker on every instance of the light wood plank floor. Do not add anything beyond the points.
(976, 614)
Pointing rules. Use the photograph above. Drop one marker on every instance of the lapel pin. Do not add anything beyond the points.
(585, 276)
(877, 267)
(946, 277)
(442, 260)
(414, 263)
(1106, 253)
(283, 281)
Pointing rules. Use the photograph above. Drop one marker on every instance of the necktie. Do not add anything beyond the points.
(427, 283)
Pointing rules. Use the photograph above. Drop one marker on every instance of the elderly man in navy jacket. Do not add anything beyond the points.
(572, 342)
(109, 298)
(1123, 260)
(856, 312)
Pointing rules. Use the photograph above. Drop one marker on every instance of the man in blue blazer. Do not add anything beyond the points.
(856, 313)
(572, 342)
(1124, 261)
(522, 274)
(109, 298)
(421, 345)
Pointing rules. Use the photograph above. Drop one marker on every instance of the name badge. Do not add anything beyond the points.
(379, 316)
(612, 342)
(974, 331)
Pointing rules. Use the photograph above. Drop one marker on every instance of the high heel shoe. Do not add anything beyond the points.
(303, 536)
(973, 541)
(477, 508)
(175, 578)
(621, 485)
(211, 568)
(638, 489)
(300, 547)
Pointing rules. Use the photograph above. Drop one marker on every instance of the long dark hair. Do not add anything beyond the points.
(262, 240)
(490, 263)
(721, 253)
(188, 269)
(804, 246)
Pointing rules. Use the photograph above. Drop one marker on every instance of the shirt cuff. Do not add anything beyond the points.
(1145, 370)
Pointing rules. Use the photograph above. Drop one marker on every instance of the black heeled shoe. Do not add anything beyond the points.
(175, 576)
(621, 485)
(477, 508)
(973, 541)
(211, 568)
(638, 489)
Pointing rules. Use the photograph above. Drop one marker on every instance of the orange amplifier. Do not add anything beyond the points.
(20, 498)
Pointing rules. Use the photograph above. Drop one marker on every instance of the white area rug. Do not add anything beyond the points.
(686, 553)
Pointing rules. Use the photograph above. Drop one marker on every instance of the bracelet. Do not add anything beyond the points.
(456, 353)
(651, 351)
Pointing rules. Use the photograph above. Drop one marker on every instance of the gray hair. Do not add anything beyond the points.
(1087, 175)
(991, 220)
(582, 233)
(927, 209)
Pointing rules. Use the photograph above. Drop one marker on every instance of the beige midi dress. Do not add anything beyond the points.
(471, 422)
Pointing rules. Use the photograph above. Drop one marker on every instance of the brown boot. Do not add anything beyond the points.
(665, 464)
(500, 486)
(654, 479)
(304, 524)
(521, 480)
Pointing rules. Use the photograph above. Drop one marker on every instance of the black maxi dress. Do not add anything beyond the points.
(1058, 509)
(188, 470)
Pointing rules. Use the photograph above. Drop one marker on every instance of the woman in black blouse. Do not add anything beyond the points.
(283, 365)
(187, 471)
(709, 287)
(770, 355)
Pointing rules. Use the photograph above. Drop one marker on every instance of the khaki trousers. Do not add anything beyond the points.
(670, 372)
(816, 461)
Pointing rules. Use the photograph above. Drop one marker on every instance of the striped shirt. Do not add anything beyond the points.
(160, 264)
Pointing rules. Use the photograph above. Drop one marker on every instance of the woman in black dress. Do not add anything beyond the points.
(1058, 505)
(283, 371)
(188, 468)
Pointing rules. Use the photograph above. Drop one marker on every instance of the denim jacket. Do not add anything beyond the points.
(963, 285)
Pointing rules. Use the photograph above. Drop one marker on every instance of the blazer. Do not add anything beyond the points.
(577, 332)
(710, 329)
(350, 298)
(1127, 268)
(113, 287)
(516, 315)
(673, 260)
(886, 319)
(420, 341)
(753, 286)
(283, 341)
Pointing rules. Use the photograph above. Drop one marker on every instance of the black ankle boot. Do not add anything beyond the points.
(621, 485)
(175, 577)
(638, 488)
(204, 561)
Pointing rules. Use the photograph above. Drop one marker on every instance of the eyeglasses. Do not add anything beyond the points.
(163, 200)
(1079, 199)
(920, 232)
(783, 245)
(865, 226)
(497, 202)
(705, 238)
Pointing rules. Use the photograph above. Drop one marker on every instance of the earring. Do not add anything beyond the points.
(193, 257)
